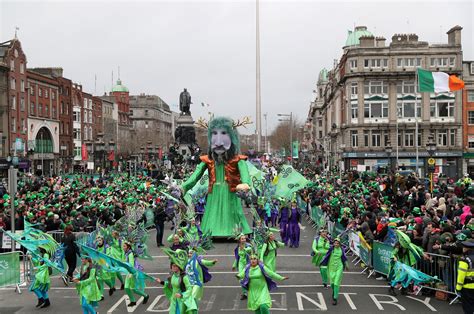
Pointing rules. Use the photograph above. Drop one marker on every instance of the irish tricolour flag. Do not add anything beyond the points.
(438, 82)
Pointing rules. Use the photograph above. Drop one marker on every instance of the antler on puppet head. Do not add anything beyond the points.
(246, 120)
(202, 123)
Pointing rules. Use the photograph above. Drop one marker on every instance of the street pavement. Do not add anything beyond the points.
(303, 292)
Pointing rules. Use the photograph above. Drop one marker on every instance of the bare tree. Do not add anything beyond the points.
(280, 136)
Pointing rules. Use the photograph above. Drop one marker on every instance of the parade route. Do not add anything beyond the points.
(303, 292)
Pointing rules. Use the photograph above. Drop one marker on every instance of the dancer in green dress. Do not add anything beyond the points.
(131, 282)
(268, 252)
(41, 281)
(258, 280)
(228, 174)
(198, 273)
(116, 251)
(87, 287)
(242, 258)
(335, 260)
(177, 287)
(321, 245)
(104, 276)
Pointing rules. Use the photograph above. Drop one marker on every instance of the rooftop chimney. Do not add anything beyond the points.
(454, 35)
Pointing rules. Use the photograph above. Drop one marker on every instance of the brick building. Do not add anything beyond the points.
(468, 117)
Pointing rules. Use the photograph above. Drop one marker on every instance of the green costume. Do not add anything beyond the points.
(268, 253)
(104, 276)
(191, 232)
(259, 299)
(42, 281)
(116, 251)
(198, 291)
(179, 284)
(241, 260)
(321, 246)
(130, 280)
(89, 289)
(223, 208)
(335, 269)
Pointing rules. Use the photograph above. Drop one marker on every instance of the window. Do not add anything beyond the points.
(45, 93)
(441, 62)
(320, 122)
(376, 110)
(409, 138)
(13, 124)
(76, 134)
(470, 117)
(452, 137)
(354, 138)
(22, 104)
(22, 68)
(366, 138)
(61, 108)
(366, 63)
(32, 90)
(146, 113)
(376, 138)
(53, 95)
(13, 102)
(90, 116)
(40, 92)
(375, 87)
(67, 108)
(406, 87)
(46, 110)
(131, 112)
(12, 65)
(354, 89)
(67, 128)
(406, 109)
(354, 110)
(442, 138)
(90, 133)
(353, 64)
(470, 95)
(13, 83)
(75, 116)
(472, 67)
(23, 126)
(408, 62)
(22, 86)
(53, 112)
(452, 61)
(32, 108)
(320, 134)
(442, 109)
(40, 109)
(470, 142)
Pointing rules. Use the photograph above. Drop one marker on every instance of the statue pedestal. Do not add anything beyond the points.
(185, 134)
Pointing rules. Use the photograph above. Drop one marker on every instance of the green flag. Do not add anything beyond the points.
(289, 181)
(295, 145)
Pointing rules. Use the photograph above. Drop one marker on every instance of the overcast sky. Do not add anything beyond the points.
(209, 46)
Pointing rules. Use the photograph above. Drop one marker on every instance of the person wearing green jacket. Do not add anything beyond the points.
(41, 281)
(87, 287)
(104, 276)
(258, 280)
(131, 281)
(321, 245)
(336, 262)
(242, 254)
(268, 252)
(116, 251)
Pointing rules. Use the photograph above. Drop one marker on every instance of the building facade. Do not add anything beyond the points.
(152, 122)
(370, 108)
(468, 117)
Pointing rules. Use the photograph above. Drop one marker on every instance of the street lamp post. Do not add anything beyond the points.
(99, 147)
(289, 119)
(389, 150)
(431, 148)
(111, 148)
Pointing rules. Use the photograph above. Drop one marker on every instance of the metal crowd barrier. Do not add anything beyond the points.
(58, 234)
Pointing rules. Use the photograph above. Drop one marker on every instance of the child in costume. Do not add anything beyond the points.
(257, 279)
(87, 287)
(177, 287)
(321, 245)
(335, 260)
(268, 252)
(132, 284)
(242, 254)
(228, 174)
(41, 281)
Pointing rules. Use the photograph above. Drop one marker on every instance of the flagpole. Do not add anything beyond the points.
(416, 121)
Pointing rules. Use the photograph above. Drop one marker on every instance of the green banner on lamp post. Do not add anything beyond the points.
(295, 149)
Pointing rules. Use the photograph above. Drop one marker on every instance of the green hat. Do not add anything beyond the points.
(73, 213)
(178, 257)
(416, 210)
(50, 214)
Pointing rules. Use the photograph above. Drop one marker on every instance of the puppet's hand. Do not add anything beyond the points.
(242, 187)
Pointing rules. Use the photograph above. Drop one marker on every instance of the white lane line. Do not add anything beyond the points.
(239, 287)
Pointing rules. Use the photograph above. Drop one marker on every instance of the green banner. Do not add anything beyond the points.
(364, 254)
(295, 149)
(9, 269)
(382, 253)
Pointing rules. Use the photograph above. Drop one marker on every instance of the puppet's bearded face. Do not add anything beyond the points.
(220, 141)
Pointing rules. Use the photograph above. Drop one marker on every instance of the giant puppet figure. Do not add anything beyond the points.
(228, 174)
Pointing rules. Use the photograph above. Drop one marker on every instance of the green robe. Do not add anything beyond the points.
(335, 267)
(268, 254)
(191, 232)
(89, 289)
(197, 291)
(101, 273)
(243, 255)
(258, 293)
(223, 208)
(42, 280)
(320, 248)
(186, 302)
(116, 250)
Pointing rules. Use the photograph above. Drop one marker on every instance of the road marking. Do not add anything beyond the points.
(426, 302)
(151, 308)
(378, 303)
(130, 309)
(321, 305)
(349, 299)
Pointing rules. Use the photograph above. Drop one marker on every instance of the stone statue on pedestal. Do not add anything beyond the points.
(185, 102)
